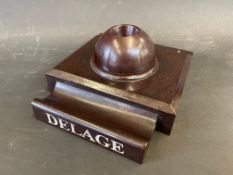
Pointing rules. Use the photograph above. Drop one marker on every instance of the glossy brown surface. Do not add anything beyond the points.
(127, 112)
(124, 52)
(159, 93)
(164, 87)
(131, 126)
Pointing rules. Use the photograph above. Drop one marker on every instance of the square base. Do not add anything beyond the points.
(123, 115)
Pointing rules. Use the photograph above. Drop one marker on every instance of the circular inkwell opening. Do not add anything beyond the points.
(124, 30)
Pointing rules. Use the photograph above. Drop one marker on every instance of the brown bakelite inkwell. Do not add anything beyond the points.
(116, 90)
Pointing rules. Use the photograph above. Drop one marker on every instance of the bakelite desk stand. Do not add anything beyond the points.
(119, 112)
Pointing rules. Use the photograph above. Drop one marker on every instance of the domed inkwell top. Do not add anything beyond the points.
(124, 53)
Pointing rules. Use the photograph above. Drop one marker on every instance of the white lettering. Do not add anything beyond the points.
(72, 126)
(88, 135)
(105, 144)
(100, 139)
(51, 119)
(63, 124)
(118, 147)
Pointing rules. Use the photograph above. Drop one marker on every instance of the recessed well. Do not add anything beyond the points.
(124, 30)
